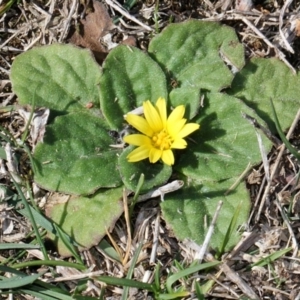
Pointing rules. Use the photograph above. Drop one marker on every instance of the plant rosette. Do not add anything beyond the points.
(178, 84)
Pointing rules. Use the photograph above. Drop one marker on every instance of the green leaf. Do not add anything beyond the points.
(63, 78)
(18, 281)
(155, 174)
(282, 135)
(264, 79)
(189, 97)
(272, 257)
(129, 78)
(224, 145)
(86, 219)
(190, 210)
(190, 270)
(7, 246)
(76, 156)
(190, 53)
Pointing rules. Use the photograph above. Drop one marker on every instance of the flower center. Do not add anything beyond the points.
(162, 140)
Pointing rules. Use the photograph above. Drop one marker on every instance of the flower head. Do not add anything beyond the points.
(160, 134)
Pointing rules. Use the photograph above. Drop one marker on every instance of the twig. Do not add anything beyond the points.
(286, 43)
(262, 203)
(241, 177)
(265, 130)
(263, 156)
(168, 188)
(235, 278)
(127, 219)
(288, 225)
(155, 240)
(279, 53)
(127, 15)
(68, 20)
(209, 233)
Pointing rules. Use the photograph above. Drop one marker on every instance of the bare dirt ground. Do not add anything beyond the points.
(266, 29)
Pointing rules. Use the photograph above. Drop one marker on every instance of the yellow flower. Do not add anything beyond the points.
(159, 134)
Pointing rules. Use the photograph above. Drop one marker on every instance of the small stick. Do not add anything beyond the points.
(263, 200)
(288, 225)
(241, 177)
(168, 188)
(127, 15)
(209, 233)
(265, 130)
(286, 43)
(263, 155)
(279, 53)
(155, 240)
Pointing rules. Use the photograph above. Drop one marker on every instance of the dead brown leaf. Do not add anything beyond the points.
(96, 24)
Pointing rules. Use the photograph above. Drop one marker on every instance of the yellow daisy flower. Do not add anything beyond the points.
(159, 134)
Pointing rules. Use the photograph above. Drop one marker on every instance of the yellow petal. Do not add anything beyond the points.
(138, 154)
(154, 155)
(179, 144)
(137, 139)
(168, 157)
(162, 110)
(188, 129)
(139, 123)
(152, 116)
(176, 115)
(175, 128)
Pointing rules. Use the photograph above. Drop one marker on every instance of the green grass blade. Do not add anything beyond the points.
(282, 135)
(137, 193)
(67, 242)
(53, 263)
(18, 281)
(230, 230)
(131, 269)
(32, 220)
(272, 257)
(173, 278)
(18, 246)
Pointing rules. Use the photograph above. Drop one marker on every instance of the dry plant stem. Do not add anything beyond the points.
(235, 278)
(241, 177)
(288, 225)
(76, 276)
(276, 291)
(279, 53)
(266, 131)
(168, 188)
(231, 291)
(68, 21)
(33, 42)
(282, 11)
(263, 156)
(276, 166)
(155, 240)
(257, 200)
(209, 234)
(127, 218)
(127, 15)
(50, 15)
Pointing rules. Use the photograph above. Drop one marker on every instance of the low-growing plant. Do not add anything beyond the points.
(198, 69)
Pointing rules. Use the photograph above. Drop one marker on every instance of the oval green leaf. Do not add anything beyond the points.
(190, 210)
(262, 79)
(225, 145)
(63, 78)
(129, 78)
(76, 156)
(86, 219)
(193, 54)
